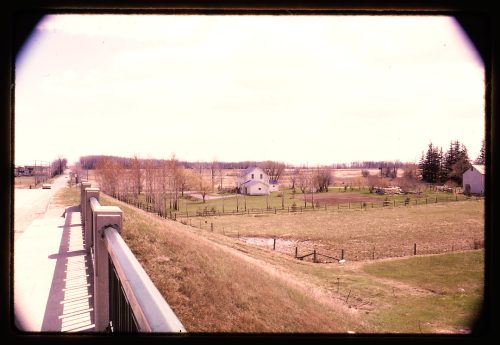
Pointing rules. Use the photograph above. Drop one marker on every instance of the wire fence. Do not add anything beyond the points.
(318, 252)
(212, 211)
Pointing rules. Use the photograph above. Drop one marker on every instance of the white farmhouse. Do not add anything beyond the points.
(254, 181)
(473, 180)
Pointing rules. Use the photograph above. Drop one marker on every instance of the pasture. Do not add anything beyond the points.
(361, 234)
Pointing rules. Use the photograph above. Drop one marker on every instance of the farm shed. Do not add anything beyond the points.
(273, 186)
(253, 181)
(473, 180)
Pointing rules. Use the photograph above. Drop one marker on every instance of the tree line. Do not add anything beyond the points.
(448, 167)
(90, 162)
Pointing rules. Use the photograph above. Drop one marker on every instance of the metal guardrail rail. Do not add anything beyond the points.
(125, 298)
(150, 310)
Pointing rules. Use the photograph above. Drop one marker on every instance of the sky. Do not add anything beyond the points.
(297, 89)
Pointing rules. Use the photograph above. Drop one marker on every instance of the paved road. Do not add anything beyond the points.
(31, 204)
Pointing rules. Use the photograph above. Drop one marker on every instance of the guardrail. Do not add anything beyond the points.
(125, 298)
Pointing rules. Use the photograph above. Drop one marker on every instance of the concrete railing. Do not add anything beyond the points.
(125, 298)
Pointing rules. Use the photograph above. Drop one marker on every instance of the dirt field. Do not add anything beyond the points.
(337, 198)
(25, 182)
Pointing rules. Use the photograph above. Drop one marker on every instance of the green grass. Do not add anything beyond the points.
(241, 203)
(455, 282)
(435, 273)
(235, 203)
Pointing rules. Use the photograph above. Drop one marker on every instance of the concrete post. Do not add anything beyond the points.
(104, 216)
(89, 224)
(83, 185)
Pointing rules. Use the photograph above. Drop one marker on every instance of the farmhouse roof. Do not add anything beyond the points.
(479, 168)
(254, 182)
(248, 170)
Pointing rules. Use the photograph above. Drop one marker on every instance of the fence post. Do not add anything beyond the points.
(274, 244)
(314, 255)
(342, 255)
(83, 185)
(89, 226)
(105, 216)
(414, 249)
(212, 227)
(296, 252)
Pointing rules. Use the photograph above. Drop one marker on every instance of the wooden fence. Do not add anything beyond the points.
(150, 207)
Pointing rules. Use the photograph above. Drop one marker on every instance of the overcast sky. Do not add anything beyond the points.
(298, 89)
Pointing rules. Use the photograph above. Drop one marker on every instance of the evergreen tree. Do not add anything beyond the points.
(481, 159)
(431, 165)
(442, 174)
(451, 157)
(457, 162)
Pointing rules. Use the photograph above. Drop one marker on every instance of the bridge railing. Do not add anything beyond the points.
(125, 298)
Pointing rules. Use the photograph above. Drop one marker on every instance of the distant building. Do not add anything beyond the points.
(24, 171)
(473, 180)
(273, 186)
(254, 181)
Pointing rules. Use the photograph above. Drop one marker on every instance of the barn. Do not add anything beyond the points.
(473, 180)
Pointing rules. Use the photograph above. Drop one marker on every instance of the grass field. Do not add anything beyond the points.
(217, 283)
(454, 288)
(362, 234)
(215, 290)
(29, 181)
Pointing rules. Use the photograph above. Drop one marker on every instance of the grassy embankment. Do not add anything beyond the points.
(216, 283)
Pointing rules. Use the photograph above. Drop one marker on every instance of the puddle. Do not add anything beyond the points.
(268, 242)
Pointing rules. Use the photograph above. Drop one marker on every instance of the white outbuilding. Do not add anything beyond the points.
(473, 180)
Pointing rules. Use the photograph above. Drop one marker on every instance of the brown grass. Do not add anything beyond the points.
(391, 232)
(216, 283)
(212, 289)
(25, 182)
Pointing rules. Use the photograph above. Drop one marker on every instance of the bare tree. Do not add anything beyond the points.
(304, 183)
(323, 178)
(220, 176)
(274, 170)
(203, 185)
(214, 166)
(294, 175)
(137, 177)
(108, 172)
(149, 180)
